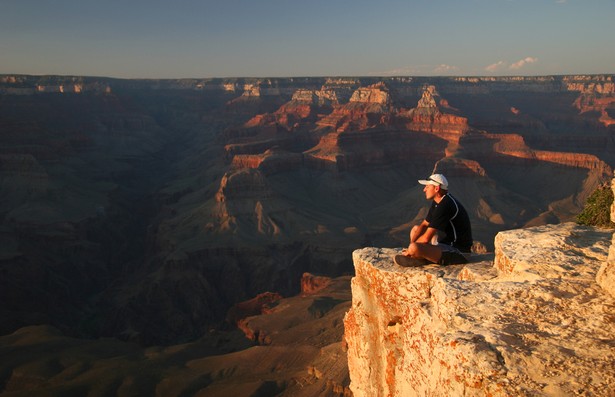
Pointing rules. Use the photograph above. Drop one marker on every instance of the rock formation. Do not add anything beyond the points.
(427, 117)
(606, 274)
(371, 117)
(600, 103)
(597, 97)
(269, 162)
(533, 322)
(368, 107)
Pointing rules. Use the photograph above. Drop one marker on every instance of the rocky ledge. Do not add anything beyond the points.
(530, 321)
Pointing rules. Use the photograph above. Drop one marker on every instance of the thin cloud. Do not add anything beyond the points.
(443, 68)
(494, 67)
(415, 70)
(523, 62)
(396, 72)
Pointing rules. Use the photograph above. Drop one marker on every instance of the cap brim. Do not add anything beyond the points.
(426, 182)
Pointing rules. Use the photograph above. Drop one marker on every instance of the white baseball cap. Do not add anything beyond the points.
(436, 180)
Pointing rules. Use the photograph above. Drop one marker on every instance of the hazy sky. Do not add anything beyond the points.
(280, 38)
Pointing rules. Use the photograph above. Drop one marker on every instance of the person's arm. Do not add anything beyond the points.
(418, 231)
(422, 233)
(427, 235)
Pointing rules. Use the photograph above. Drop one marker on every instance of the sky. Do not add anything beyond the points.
(301, 38)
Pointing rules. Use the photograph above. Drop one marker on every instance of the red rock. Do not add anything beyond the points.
(258, 305)
(311, 284)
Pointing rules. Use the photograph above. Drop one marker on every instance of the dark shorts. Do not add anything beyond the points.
(453, 254)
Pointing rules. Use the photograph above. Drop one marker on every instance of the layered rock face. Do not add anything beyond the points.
(428, 117)
(368, 107)
(533, 322)
(597, 97)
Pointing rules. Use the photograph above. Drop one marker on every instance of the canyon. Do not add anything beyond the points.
(182, 215)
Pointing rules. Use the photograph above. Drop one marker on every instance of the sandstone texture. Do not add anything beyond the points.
(606, 274)
(531, 322)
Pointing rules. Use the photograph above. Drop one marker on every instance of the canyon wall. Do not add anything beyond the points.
(531, 322)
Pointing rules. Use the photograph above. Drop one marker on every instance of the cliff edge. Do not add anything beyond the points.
(606, 274)
(530, 321)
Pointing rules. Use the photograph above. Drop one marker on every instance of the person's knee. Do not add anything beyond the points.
(429, 252)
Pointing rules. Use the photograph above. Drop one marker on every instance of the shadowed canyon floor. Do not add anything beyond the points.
(299, 352)
(146, 210)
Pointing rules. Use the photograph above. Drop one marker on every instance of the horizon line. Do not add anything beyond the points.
(303, 77)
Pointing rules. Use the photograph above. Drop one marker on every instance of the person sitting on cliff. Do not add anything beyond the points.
(445, 235)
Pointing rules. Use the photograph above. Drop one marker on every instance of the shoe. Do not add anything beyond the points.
(406, 261)
(452, 258)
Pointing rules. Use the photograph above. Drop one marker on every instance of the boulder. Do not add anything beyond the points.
(531, 322)
(606, 274)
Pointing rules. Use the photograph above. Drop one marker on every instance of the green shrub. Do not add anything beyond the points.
(597, 210)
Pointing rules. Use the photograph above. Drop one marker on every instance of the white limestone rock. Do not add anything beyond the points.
(536, 325)
(606, 275)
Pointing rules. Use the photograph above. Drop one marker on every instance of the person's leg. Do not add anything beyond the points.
(407, 261)
(432, 253)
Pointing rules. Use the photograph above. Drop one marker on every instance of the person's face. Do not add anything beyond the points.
(431, 191)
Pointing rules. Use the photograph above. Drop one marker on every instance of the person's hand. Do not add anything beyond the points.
(405, 252)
